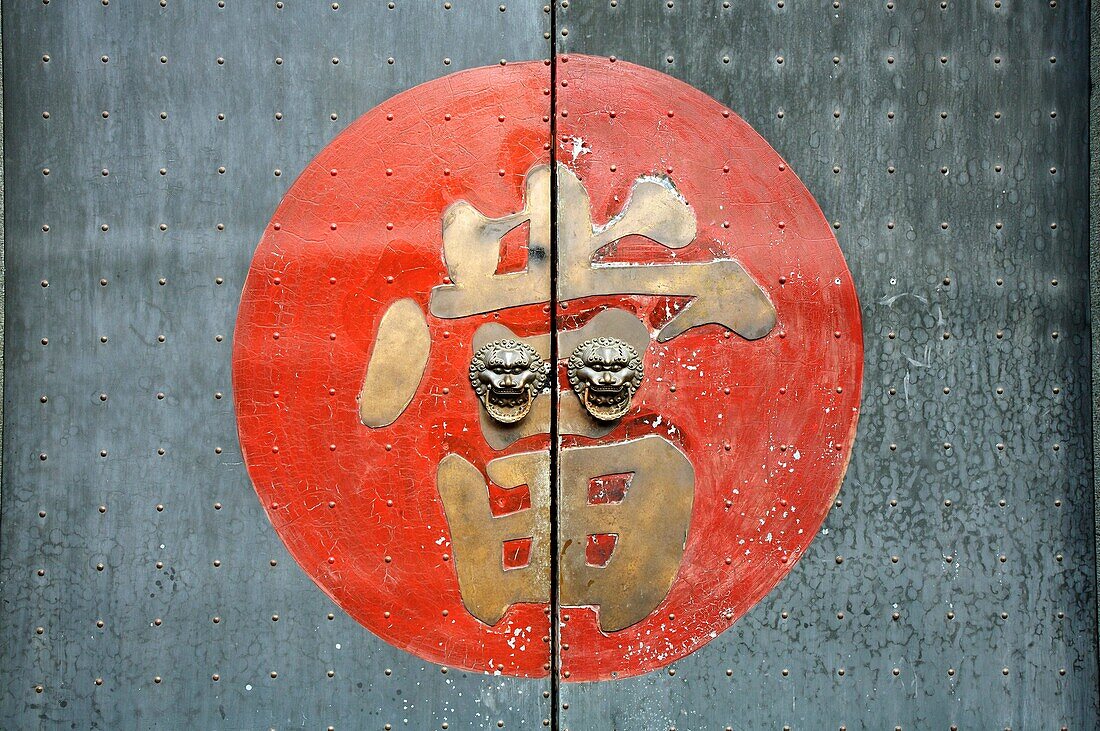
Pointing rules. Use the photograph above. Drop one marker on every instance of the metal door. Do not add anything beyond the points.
(952, 584)
(148, 144)
(547, 373)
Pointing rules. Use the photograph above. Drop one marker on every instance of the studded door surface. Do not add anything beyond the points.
(476, 365)
(951, 585)
(148, 146)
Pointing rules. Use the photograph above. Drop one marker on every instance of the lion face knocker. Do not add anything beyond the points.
(506, 376)
(605, 373)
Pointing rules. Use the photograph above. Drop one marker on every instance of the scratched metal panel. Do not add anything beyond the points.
(952, 584)
(144, 244)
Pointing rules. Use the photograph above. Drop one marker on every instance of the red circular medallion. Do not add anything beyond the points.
(392, 387)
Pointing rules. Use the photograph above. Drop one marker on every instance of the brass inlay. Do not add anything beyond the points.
(611, 322)
(477, 536)
(639, 539)
(651, 524)
(471, 247)
(723, 292)
(396, 364)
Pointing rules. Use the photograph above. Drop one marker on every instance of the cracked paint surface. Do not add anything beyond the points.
(767, 423)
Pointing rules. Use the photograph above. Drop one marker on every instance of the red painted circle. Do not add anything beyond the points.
(364, 519)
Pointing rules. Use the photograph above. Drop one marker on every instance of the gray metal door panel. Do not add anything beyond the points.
(948, 146)
(953, 582)
(181, 537)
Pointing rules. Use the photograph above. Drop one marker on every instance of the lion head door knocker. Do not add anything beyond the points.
(605, 373)
(506, 376)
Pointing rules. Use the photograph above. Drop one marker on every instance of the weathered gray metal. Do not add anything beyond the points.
(1094, 250)
(953, 584)
(193, 575)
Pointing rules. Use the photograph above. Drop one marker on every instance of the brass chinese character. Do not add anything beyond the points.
(478, 537)
(650, 525)
(723, 292)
